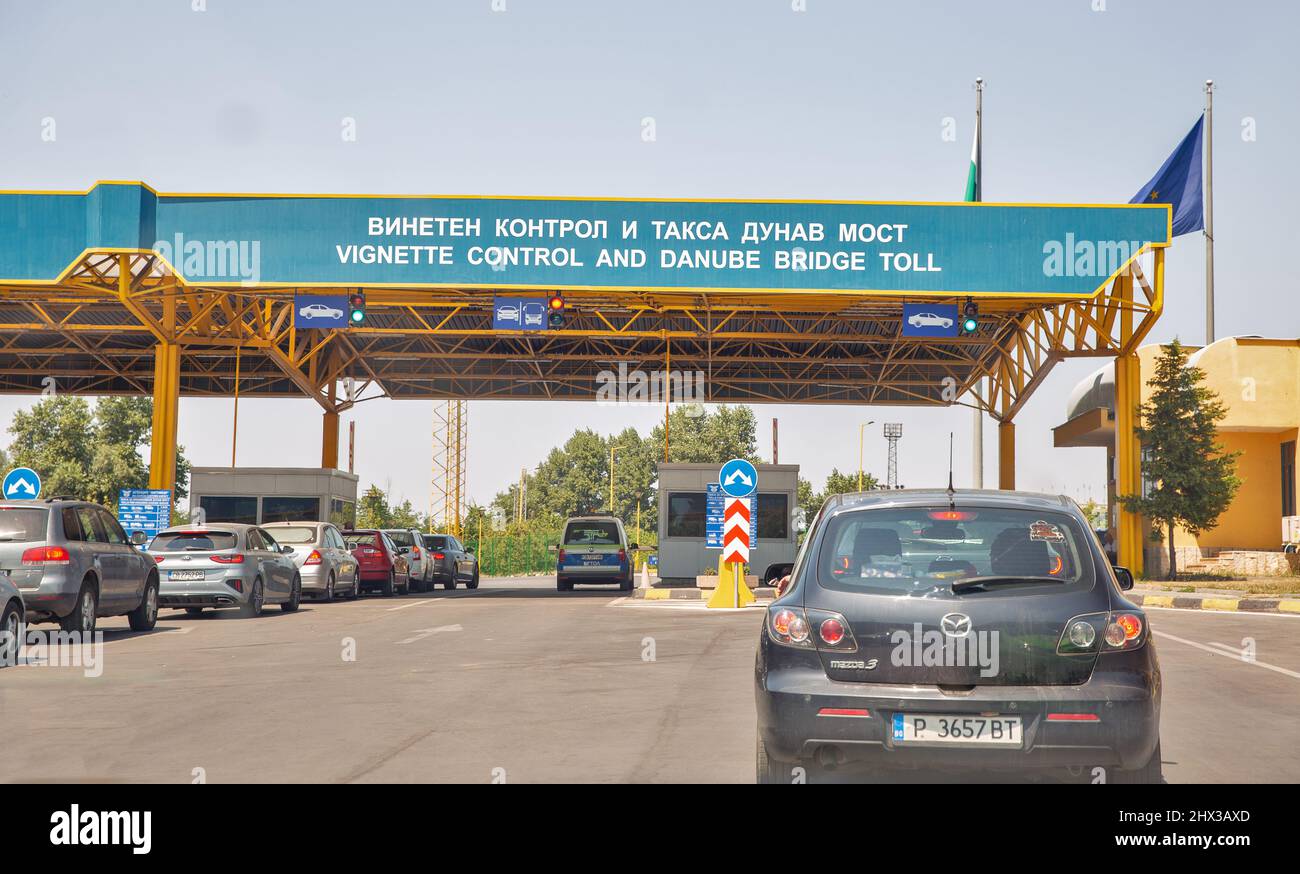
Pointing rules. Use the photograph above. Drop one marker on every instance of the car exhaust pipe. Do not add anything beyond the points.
(830, 757)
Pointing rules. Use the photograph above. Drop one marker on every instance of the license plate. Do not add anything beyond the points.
(185, 575)
(931, 728)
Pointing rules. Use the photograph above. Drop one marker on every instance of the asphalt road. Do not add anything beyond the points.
(517, 682)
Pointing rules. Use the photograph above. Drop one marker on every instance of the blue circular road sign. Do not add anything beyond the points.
(21, 482)
(738, 478)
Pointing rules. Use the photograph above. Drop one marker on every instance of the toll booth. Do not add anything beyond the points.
(259, 495)
(683, 507)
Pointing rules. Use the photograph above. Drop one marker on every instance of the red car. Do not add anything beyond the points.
(379, 565)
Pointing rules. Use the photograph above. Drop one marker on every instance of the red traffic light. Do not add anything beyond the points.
(556, 303)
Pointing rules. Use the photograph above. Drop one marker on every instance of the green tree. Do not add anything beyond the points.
(726, 433)
(372, 509)
(89, 453)
(1192, 479)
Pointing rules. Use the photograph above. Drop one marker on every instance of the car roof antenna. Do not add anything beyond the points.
(952, 493)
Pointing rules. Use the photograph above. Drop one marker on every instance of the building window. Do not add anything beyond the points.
(686, 514)
(773, 516)
(229, 508)
(1288, 478)
(278, 509)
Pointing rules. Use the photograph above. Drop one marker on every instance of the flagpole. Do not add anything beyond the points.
(1209, 211)
(977, 439)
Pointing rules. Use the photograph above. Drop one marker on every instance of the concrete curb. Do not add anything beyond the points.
(681, 594)
(1190, 601)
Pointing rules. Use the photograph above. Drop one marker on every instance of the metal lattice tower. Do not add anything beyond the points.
(447, 498)
(893, 432)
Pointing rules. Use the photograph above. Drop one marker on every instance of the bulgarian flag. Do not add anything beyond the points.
(974, 192)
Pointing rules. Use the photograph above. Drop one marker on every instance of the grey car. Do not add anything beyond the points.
(72, 563)
(12, 621)
(225, 565)
(324, 563)
(410, 544)
(450, 562)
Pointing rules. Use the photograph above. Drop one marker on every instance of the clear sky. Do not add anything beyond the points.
(846, 100)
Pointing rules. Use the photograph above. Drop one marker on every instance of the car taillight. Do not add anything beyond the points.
(789, 627)
(415, 552)
(832, 631)
(46, 555)
(622, 555)
(160, 558)
(560, 556)
(314, 558)
(1120, 631)
(237, 558)
(439, 556)
(1123, 630)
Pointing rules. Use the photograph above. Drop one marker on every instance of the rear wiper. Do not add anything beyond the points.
(980, 582)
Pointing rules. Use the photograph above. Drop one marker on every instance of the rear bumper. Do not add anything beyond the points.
(215, 592)
(604, 573)
(1124, 692)
(54, 597)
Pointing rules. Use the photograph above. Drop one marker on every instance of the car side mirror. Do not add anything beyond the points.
(1124, 576)
(286, 550)
(634, 546)
(139, 538)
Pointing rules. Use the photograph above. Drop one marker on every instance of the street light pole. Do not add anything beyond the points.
(861, 428)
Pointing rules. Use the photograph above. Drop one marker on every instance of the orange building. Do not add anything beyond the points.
(1258, 381)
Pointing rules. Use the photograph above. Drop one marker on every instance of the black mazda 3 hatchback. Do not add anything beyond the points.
(968, 630)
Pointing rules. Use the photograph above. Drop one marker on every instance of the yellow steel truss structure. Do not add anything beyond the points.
(121, 323)
(450, 445)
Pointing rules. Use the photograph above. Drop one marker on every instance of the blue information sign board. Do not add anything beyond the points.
(518, 314)
(715, 505)
(147, 510)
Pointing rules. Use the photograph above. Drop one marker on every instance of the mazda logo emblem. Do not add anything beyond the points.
(955, 624)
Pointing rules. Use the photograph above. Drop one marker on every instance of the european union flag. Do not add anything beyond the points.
(1178, 181)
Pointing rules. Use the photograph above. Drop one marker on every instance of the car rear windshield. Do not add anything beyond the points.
(400, 537)
(922, 549)
(361, 539)
(23, 524)
(591, 534)
(190, 541)
(296, 534)
(435, 542)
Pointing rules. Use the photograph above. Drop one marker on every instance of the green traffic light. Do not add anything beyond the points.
(358, 316)
(969, 326)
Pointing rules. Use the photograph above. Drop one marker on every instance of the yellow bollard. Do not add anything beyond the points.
(731, 591)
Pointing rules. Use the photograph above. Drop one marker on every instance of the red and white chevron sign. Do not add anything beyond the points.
(735, 531)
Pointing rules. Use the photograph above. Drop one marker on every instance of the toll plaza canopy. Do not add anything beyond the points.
(123, 289)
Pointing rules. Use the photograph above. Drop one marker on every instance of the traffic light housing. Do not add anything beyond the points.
(970, 318)
(555, 307)
(357, 308)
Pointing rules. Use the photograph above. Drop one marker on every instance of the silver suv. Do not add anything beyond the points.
(73, 563)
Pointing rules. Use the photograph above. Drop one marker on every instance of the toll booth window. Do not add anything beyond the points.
(277, 509)
(773, 516)
(222, 508)
(591, 534)
(343, 513)
(686, 514)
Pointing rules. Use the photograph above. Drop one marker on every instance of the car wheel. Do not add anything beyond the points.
(473, 583)
(356, 587)
(329, 589)
(563, 585)
(405, 588)
(451, 581)
(82, 617)
(11, 627)
(253, 606)
(145, 616)
(193, 612)
(625, 585)
(769, 771)
(389, 585)
(295, 596)
(1151, 772)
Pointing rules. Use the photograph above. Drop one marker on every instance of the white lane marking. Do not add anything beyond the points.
(1232, 655)
(404, 606)
(427, 632)
(1232, 650)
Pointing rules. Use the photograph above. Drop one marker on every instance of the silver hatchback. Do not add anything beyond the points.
(324, 562)
(225, 565)
(73, 563)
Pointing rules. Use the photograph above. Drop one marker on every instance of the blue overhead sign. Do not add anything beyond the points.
(930, 320)
(21, 482)
(252, 240)
(519, 314)
(320, 311)
(738, 478)
(147, 510)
